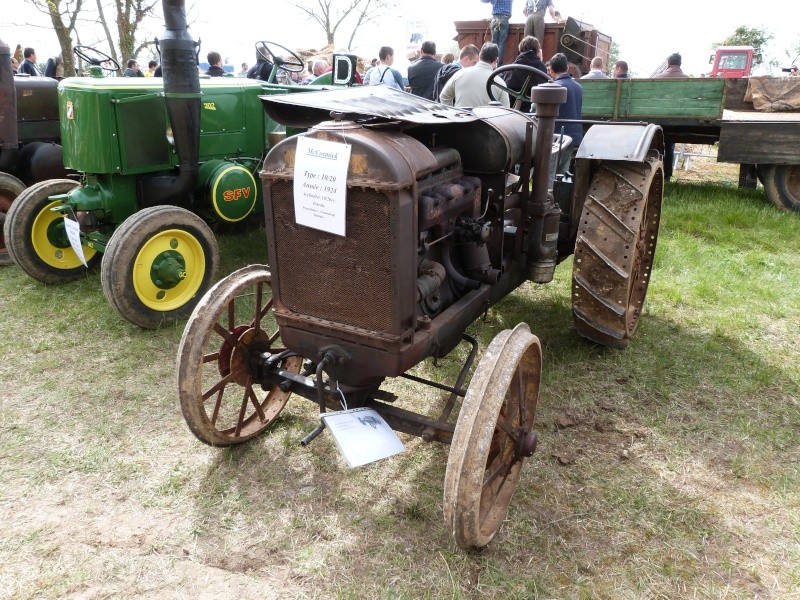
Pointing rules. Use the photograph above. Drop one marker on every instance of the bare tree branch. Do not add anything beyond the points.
(331, 15)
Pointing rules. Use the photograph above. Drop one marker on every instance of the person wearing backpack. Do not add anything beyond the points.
(383, 73)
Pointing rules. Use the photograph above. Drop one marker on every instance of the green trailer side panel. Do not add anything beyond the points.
(663, 101)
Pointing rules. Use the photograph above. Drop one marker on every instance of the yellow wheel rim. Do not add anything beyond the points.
(165, 299)
(52, 255)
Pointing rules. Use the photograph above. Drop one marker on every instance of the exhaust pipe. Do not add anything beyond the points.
(9, 141)
(182, 97)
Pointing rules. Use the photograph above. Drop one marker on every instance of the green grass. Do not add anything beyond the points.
(682, 451)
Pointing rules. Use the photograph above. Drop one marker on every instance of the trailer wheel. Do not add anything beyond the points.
(493, 434)
(614, 250)
(158, 264)
(10, 188)
(36, 239)
(782, 185)
(221, 400)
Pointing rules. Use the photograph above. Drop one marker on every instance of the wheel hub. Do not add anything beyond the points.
(168, 269)
(57, 234)
(240, 356)
(526, 443)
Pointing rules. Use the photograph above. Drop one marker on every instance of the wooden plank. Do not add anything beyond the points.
(761, 142)
(674, 100)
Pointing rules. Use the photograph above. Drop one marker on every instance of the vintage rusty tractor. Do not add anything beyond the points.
(161, 161)
(447, 211)
(29, 136)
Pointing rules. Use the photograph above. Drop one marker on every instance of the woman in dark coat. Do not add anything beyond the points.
(530, 54)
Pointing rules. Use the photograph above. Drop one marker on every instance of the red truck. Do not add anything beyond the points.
(732, 61)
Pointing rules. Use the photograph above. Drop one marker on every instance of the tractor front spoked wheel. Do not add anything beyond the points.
(493, 434)
(158, 264)
(614, 250)
(782, 186)
(10, 188)
(221, 400)
(36, 237)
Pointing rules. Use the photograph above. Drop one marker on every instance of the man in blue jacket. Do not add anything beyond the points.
(28, 65)
(571, 110)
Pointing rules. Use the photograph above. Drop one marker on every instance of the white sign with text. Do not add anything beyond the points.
(74, 236)
(320, 184)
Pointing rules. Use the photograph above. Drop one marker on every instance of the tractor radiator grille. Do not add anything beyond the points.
(346, 280)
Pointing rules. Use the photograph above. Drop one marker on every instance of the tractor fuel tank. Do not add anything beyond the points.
(228, 190)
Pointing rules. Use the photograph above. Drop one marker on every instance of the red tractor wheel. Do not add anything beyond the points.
(10, 188)
(221, 402)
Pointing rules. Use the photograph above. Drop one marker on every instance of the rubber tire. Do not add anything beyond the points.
(19, 234)
(508, 376)
(206, 357)
(122, 261)
(10, 188)
(782, 186)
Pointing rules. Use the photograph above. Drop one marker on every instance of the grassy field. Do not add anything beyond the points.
(668, 470)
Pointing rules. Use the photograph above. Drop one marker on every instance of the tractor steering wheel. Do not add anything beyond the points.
(519, 96)
(294, 64)
(96, 58)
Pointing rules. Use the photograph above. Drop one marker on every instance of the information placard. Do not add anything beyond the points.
(362, 435)
(74, 236)
(320, 184)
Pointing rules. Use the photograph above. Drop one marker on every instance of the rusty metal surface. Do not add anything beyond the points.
(376, 103)
(492, 437)
(615, 248)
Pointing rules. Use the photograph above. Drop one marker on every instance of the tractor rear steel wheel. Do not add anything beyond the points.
(221, 401)
(493, 434)
(36, 238)
(614, 250)
(158, 264)
(10, 188)
(782, 186)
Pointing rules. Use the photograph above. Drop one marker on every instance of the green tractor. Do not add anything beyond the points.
(161, 162)
(30, 148)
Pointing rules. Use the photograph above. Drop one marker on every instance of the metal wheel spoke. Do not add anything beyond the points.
(260, 314)
(506, 427)
(219, 386)
(503, 467)
(240, 420)
(217, 404)
(226, 335)
(211, 357)
(256, 405)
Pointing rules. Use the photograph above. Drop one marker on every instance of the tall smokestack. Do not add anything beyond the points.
(9, 142)
(182, 97)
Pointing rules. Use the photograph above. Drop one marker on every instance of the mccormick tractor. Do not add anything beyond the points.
(29, 136)
(392, 225)
(161, 161)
